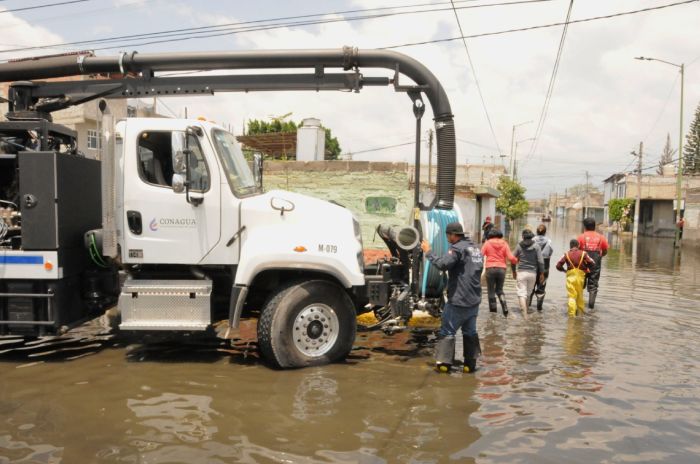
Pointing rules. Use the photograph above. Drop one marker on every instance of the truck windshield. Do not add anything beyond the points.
(240, 178)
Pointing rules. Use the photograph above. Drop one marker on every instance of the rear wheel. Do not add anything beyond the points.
(307, 324)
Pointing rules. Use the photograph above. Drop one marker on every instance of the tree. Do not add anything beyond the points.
(621, 210)
(512, 201)
(666, 155)
(332, 145)
(580, 190)
(691, 150)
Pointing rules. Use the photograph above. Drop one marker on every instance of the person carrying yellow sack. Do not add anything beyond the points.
(578, 264)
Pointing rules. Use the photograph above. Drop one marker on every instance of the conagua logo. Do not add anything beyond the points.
(172, 223)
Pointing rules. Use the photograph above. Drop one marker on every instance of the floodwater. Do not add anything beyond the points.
(617, 385)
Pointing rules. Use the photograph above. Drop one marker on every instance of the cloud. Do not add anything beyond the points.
(18, 32)
(604, 101)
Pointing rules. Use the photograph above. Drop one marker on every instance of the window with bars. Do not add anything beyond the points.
(93, 139)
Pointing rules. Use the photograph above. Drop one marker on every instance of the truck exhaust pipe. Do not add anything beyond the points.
(346, 58)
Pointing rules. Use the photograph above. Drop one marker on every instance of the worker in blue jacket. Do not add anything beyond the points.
(463, 263)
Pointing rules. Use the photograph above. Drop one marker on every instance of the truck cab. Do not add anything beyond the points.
(199, 239)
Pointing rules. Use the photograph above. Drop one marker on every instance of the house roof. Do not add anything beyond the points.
(614, 178)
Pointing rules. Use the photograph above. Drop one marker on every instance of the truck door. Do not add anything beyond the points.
(160, 225)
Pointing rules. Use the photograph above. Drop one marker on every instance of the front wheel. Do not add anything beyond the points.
(307, 324)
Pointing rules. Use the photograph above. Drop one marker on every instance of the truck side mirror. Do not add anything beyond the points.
(258, 170)
(178, 183)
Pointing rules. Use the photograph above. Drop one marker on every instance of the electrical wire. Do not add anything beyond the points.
(543, 26)
(47, 5)
(476, 144)
(663, 109)
(235, 28)
(476, 79)
(377, 149)
(550, 87)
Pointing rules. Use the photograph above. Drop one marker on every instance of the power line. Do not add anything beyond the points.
(377, 149)
(550, 87)
(235, 28)
(476, 144)
(47, 5)
(543, 26)
(663, 109)
(476, 79)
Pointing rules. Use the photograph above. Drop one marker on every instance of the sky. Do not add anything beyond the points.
(603, 102)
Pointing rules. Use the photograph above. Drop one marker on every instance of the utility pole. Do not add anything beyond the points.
(513, 144)
(679, 184)
(585, 199)
(679, 175)
(637, 202)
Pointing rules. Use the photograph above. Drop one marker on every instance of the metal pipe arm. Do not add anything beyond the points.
(346, 58)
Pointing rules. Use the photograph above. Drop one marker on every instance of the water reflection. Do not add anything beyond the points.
(619, 384)
(316, 396)
(171, 417)
(580, 355)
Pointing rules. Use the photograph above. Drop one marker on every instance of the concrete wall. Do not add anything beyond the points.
(465, 175)
(691, 231)
(348, 183)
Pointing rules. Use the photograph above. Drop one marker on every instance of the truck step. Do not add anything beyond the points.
(183, 305)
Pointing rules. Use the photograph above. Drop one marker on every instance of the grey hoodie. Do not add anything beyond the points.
(545, 245)
(529, 256)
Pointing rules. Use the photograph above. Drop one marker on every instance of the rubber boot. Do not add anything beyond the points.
(529, 300)
(504, 305)
(444, 354)
(540, 302)
(493, 307)
(591, 299)
(523, 306)
(472, 350)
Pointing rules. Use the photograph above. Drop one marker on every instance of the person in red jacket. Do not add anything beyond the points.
(497, 252)
(596, 246)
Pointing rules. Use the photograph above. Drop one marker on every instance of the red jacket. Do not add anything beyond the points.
(496, 250)
(591, 240)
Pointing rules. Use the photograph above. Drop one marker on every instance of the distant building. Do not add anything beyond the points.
(573, 208)
(658, 199)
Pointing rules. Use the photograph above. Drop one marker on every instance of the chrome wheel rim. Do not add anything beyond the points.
(316, 330)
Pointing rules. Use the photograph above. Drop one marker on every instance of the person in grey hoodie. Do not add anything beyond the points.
(545, 245)
(530, 268)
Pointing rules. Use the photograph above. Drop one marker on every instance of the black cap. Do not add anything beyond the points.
(454, 228)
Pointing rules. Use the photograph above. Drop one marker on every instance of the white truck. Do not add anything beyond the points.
(174, 227)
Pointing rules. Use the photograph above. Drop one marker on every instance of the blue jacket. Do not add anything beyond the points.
(464, 263)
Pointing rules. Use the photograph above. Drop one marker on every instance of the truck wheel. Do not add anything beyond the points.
(307, 324)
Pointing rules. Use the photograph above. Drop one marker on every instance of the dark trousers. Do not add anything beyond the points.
(458, 317)
(593, 277)
(495, 276)
(540, 287)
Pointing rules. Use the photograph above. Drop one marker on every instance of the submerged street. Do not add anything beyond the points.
(617, 385)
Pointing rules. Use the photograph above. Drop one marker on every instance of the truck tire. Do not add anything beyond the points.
(307, 324)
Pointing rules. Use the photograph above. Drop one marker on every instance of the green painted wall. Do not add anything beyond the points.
(347, 183)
